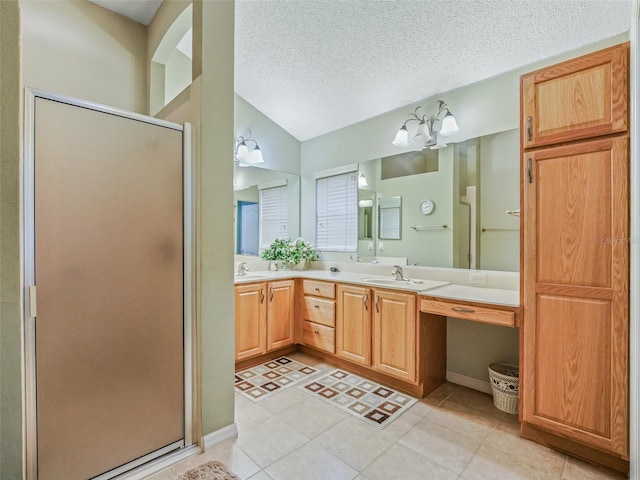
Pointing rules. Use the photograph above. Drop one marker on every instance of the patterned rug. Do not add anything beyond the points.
(262, 381)
(214, 470)
(369, 401)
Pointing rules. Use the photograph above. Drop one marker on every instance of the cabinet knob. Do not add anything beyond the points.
(317, 306)
(316, 332)
(316, 289)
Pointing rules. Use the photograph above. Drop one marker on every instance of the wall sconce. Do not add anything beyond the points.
(244, 156)
(444, 124)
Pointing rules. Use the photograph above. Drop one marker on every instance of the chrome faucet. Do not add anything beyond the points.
(242, 269)
(399, 274)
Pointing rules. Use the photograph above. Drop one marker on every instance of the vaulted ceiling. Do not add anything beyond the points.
(314, 66)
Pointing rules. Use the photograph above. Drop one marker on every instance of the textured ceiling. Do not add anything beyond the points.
(314, 66)
(142, 11)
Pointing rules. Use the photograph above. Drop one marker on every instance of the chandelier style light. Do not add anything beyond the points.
(443, 125)
(243, 155)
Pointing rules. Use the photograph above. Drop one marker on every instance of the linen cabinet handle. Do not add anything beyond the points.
(378, 303)
(529, 132)
(262, 295)
(366, 301)
(530, 170)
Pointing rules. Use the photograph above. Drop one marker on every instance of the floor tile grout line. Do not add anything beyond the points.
(564, 466)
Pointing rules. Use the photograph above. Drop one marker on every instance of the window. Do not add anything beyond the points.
(337, 212)
(273, 213)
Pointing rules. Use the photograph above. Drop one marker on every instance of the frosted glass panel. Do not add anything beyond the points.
(108, 264)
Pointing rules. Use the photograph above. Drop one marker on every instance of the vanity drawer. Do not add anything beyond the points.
(319, 336)
(320, 311)
(319, 289)
(469, 312)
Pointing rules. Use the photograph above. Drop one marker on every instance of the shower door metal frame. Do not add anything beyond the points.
(28, 274)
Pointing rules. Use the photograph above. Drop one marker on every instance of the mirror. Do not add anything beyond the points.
(390, 218)
(453, 206)
(283, 210)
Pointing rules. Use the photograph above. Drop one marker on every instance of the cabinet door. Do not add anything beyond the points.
(394, 334)
(251, 315)
(576, 292)
(280, 314)
(581, 98)
(353, 324)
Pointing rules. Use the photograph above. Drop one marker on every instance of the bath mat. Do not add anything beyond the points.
(262, 381)
(369, 401)
(209, 471)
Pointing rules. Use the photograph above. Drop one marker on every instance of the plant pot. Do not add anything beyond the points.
(304, 264)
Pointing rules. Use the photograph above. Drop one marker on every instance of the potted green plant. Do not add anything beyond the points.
(290, 253)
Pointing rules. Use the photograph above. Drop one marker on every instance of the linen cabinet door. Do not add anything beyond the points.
(578, 99)
(353, 324)
(280, 315)
(576, 292)
(394, 334)
(251, 316)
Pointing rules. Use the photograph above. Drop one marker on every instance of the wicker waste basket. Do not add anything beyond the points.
(505, 385)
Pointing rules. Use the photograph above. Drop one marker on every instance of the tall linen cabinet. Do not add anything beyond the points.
(575, 262)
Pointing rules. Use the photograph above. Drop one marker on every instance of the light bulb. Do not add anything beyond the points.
(423, 134)
(243, 151)
(255, 156)
(402, 138)
(449, 125)
(362, 180)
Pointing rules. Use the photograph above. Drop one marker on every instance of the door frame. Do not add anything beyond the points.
(191, 437)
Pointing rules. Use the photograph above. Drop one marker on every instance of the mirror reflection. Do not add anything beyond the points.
(454, 204)
(267, 206)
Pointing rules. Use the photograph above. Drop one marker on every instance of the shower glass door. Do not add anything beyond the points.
(108, 268)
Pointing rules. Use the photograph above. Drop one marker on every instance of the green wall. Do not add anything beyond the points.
(10, 316)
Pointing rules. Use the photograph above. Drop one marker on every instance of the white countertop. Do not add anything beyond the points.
(494, 296)
(435, 288)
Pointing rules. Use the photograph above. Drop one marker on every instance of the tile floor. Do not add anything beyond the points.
(453, 434)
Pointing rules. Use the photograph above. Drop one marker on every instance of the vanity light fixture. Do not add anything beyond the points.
(243, 155)
(362, 180)
(444, 124)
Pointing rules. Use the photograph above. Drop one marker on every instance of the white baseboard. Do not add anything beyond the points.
(468, 382)
(225, 433)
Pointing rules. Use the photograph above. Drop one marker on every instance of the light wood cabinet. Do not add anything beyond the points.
(250, 318)
(264, 317)
(280, 315)
(577, 292)
(578, 99)
(353, 324)
(394, 334)
(319, 315)
(575, 262)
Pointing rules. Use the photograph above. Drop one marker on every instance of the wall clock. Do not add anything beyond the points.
(427, 206)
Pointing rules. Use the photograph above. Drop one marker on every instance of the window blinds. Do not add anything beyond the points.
(337, 212)
(273, 215)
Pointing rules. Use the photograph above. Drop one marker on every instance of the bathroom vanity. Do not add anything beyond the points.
(392, 331)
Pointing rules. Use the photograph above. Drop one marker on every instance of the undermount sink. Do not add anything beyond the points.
(387, 281)
(415, 285)
(250, 276)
